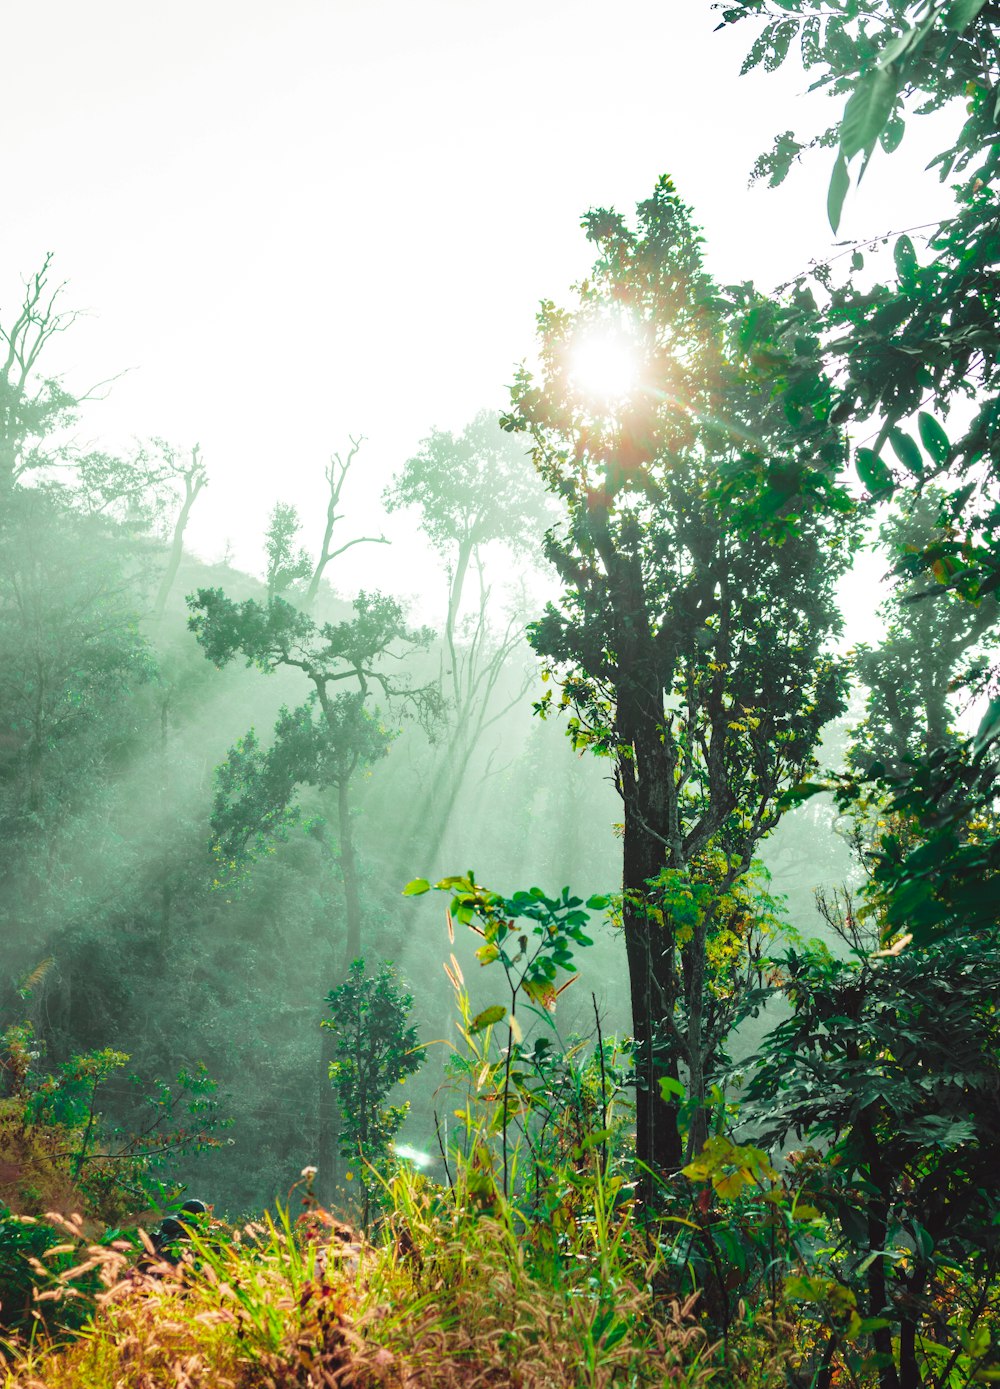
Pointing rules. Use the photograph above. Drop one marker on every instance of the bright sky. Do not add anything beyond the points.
(302, 219)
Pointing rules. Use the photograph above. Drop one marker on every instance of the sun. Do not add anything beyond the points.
(604, 363)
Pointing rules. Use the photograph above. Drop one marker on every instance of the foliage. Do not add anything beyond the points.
(60, 1148)
(472, 492)
(931, 641)
(885, 55)
(928, 337)
(255, 787)
(692, 655)
(532, 937)
(891, 1061)
(374, 1049)
(287, 564)
(32, 407)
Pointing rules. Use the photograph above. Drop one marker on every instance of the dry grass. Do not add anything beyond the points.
(453, 1300)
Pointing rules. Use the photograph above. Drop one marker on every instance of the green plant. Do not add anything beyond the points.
(531, 936)
(373, 1050)
(892, 1062)
(690, 654)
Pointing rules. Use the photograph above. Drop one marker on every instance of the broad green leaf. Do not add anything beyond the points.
(988, 728)
(892, 133)
(960, 14)
(669, 1086)
(598, 903)
(873, 472)
(869, 108)
(593, 1139)
(840, 181)
(933, 437)
(487, 1018)
(907, 451)
(415, 887)
(857, 261)
(906, 260)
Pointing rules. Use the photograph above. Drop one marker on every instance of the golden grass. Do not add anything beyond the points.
(451, 1298)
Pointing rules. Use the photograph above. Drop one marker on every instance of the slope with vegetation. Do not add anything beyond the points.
(565, 1198)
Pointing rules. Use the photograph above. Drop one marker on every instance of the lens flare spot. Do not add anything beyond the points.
(604, 363)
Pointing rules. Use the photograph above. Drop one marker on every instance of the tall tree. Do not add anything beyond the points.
(691, 654)
(471, 491)
(336, 474)
(192, 474)
(32, 406)
(325, 741)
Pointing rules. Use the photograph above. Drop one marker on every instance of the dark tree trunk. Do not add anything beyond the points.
(649, 948)
(326, 1139)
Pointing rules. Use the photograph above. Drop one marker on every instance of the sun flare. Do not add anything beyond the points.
(605, 363)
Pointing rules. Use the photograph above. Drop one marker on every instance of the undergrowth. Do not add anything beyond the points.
(446, 1295)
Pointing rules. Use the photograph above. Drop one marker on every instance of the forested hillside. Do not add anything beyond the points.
(576, 961)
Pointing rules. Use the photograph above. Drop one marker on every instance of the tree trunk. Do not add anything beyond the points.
(194, 481)
(326, 1138)
(696, 1086)
(649, 948)
(349, 873)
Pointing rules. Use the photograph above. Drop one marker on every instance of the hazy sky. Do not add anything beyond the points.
(306, 218)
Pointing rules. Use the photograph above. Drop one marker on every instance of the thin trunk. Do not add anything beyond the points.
(649, 947)
(349, 872)
(697, 1081)
(909, 1369)
(165, 890)
(327, 1124)
(194, 481)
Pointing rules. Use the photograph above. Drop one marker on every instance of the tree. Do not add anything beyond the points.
(287, 564)
(471, 491)
(323, 742)
(911, 674)
(31, 409)
(373, 1050)
(892, 1061)
(928, 337)
(71, 655)
(194, 476)
(336, 475)
(691, 655)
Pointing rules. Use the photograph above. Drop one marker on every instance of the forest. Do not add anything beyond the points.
(590, 976)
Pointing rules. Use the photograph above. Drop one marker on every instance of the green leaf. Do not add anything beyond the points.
(840, 181)
(598, 903)
(892, 133)
(669, 1086)
(933, 437)
(988, 728)
(960, 14)
(906, 451)
(857, 261)
(906, 261)
(869, 108)
(796, 795)
(873, 473)
(487, 1018)
(415, 887)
